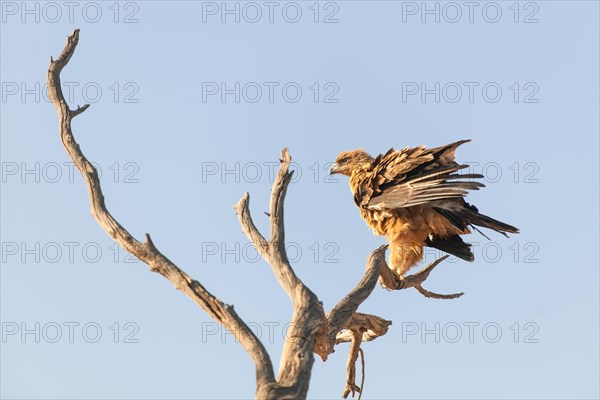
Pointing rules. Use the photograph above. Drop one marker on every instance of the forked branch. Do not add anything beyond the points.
(311, 329)
(308, 316)
(343, 315)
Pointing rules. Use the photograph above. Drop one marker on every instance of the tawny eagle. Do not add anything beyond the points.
(415, 197)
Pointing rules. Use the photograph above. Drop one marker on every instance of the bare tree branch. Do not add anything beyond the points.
(351, 386)
(147, 251)
(277, 198)
(311, 329)
(349, 304)
(274, 251)
(249, 229)
(308, 315)
(371, 327)
(358, 327)
(340, 317)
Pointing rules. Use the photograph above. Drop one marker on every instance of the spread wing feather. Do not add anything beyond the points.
(424, 189)
(413, 176)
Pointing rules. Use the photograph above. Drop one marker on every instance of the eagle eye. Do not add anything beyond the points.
(343, 160)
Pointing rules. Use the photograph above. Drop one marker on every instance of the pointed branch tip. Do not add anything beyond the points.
(285, 156)
(433, 295)
(149, 241)
(79, 110)
(243, 202)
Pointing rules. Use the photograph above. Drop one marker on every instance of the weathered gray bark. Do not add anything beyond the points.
(146, 251)
(311, 330)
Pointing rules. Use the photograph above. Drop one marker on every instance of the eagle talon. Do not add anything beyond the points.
(400, 283)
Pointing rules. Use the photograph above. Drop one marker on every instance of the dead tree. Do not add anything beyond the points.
(311, 330)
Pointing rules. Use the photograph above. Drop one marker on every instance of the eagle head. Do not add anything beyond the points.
(349, 161)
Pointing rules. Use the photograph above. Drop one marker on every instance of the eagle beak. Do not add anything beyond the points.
(333, 170)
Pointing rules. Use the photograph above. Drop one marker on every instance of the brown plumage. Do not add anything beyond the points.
(415, 197)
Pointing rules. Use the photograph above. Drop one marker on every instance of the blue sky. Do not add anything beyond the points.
(190, 109)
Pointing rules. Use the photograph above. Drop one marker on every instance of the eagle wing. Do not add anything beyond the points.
(413, 176)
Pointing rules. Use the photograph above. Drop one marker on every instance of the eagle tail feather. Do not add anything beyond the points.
(469, 215)
(475, 218)
(452, 245)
